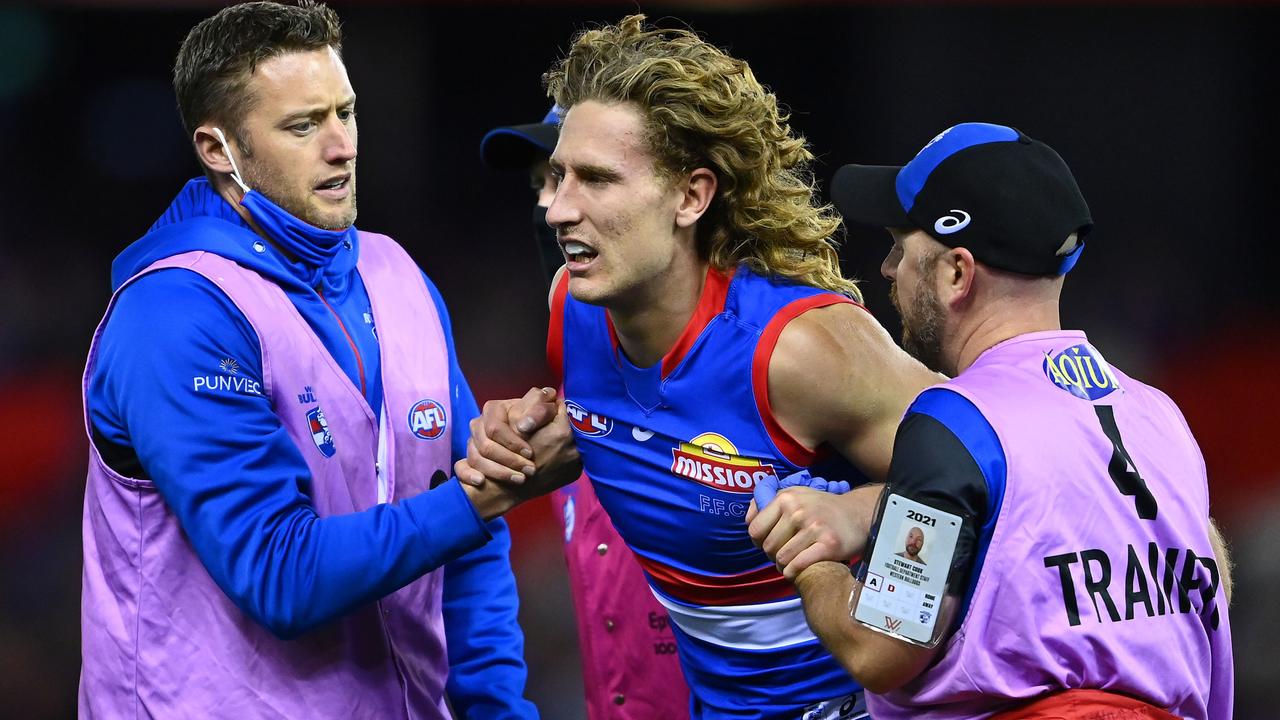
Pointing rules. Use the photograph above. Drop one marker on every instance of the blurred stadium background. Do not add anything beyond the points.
(1160, 108)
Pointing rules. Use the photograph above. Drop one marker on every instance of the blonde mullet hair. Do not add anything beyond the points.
(703, 108)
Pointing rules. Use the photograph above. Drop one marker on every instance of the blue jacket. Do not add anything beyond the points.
(224, 463)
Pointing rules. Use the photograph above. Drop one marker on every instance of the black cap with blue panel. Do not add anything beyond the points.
(1010, 200)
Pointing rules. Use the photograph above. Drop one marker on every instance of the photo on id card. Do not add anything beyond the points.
(908, 573)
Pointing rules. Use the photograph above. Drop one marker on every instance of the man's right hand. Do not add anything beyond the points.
(801, 526)
(519, 449)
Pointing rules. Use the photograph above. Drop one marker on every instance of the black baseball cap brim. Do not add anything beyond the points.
(866, 195)
(1007, 198)
(516, 147)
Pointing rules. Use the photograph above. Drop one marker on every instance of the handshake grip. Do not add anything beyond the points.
(519, 449)
(769, 487)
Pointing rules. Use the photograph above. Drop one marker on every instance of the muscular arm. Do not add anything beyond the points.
(946, 456)
(878, 662)
(835, 378)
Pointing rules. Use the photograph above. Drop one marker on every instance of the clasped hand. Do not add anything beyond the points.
(519, 449)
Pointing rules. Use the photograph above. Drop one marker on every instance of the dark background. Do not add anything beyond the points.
(1160, 109)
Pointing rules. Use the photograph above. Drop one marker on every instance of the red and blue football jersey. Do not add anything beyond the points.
(674, 452)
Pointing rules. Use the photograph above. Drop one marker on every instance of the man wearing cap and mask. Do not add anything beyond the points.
(627, 648)
(528, 148)
(1075, 571)
(274, 404)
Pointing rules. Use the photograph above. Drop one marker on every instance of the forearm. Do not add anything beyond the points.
(242, 499)
(860, 504)
(824, 591)
(292, 571)
(878, 662)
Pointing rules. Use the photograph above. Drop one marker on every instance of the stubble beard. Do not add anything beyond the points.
(296, 203)
(922, 326)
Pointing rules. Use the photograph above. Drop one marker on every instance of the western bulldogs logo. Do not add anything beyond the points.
(586, 423)
(320, 432)
(427, 419)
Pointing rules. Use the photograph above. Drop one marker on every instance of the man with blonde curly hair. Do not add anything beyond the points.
(708, 346)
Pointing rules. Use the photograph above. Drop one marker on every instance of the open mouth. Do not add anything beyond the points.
(335, 187)
(578, 253)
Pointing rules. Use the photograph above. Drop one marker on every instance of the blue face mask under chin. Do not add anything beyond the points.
(313, 246)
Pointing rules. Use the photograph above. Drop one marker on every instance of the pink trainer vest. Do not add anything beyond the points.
(1078, 588)
(160, 639)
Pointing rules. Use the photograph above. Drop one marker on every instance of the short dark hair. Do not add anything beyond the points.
(211, 74)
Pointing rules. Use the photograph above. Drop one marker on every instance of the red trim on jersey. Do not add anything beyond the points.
(756, 586)
(613, 334)
(710, 304)
(555, 330)
(791, 448)
(1085, 704)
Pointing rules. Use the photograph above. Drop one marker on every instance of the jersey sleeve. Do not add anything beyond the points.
(487, 671)
(233, 477)
(947, 455)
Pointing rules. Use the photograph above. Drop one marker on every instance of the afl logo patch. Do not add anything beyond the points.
(427, 419)
(320, 432)
(585, 423)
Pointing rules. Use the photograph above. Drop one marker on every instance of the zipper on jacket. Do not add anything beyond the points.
(354, 349)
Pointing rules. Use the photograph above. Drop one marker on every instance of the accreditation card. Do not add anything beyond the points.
(908, 573)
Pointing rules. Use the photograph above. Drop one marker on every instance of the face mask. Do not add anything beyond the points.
(314, 246)
(548, 249)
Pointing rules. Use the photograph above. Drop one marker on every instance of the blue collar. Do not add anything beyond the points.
(314, 247)
(321, 259)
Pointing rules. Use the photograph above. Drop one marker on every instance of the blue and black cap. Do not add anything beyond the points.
(516, 147)
(1008, 199)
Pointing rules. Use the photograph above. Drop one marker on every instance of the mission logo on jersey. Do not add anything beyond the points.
(712, 460)
(586, 423)
(1081, 371)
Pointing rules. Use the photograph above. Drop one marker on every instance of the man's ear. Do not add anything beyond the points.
(212, 151)
(955, 274)
(697, 191)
